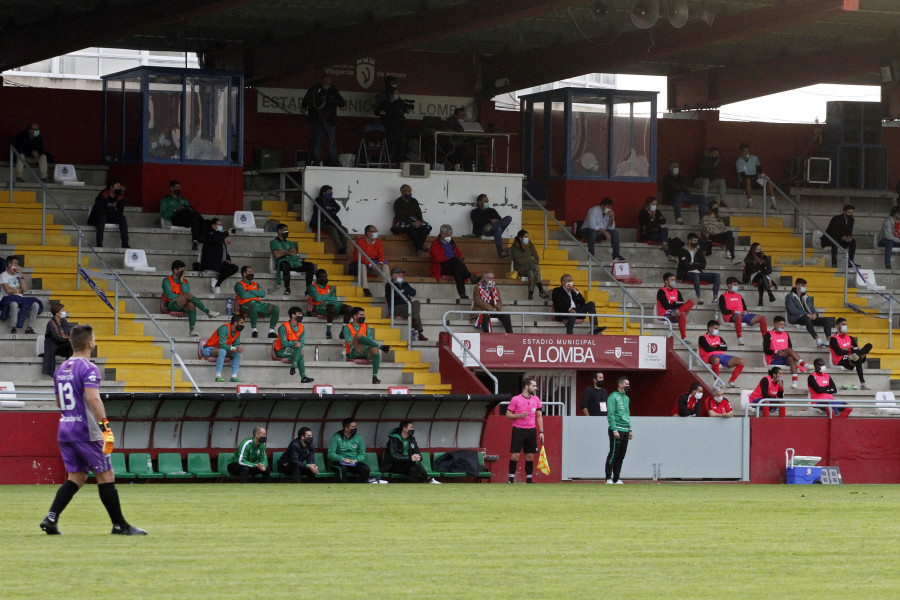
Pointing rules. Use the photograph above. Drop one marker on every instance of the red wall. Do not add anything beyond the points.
(495, 439)
(213, 190)
(29, 452)
(461, 379)
(571, 198)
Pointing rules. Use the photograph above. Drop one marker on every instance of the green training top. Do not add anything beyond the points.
(618, 413)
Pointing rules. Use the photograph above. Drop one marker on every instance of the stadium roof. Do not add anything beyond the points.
(751, 48)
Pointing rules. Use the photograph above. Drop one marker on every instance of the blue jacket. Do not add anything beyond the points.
(793, 305)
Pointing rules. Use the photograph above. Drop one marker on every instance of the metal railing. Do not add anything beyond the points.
(109, 275)
(360, 272)
(845, 255)
(692, 353)
(829, 406)
(591, 260)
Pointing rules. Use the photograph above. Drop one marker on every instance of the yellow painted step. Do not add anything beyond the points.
(426, 378)
(274, 206)
(771, 222)
(34, 237)
(22, 216)
(21, 196)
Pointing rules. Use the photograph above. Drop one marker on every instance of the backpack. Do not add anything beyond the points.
(675, 246)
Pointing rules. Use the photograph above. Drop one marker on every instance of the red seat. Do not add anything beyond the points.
(212, 359)
(286, 361)
(714, 244)
(165, 310)
(311, 310)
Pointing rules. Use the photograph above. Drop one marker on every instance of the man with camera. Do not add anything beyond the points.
(392, 109)
(320, 104)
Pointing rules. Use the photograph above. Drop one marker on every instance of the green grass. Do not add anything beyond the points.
(457, 541)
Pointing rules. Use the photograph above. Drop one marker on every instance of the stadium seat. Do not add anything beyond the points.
(286, 361)
(170, 466)
(311, 310)
(140, 464)
(198, 465)
(323, 472)
(200, 343)
(426, 462)
(372, 461)
(437, 455)
(222, 463)
(117, 459)
(273, 466)
(483, 472)
(245, 221)
(136, 260)
(164, 310)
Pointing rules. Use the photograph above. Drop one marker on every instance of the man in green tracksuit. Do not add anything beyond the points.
(177, 292)
(249, 302)
(290, 342)
(249, 457)
(347, 454)
(359, 342)
(287, 259)
(619, 417)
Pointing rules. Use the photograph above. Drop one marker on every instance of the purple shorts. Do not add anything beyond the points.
(724, 359)
(81, 457)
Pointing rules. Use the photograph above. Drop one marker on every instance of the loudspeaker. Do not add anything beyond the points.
(677, 13)
(644, 13)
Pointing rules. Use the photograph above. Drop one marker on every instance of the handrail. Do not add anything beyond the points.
(110, 273)
(591, 259)
(798, 212)
(824, 404)
(359, 270)
(692, 353)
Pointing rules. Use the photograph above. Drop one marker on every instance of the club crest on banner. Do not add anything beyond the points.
(365, 72)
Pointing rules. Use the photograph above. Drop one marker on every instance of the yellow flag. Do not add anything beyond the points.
(543, 465)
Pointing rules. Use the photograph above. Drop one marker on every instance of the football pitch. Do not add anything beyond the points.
(641, 540)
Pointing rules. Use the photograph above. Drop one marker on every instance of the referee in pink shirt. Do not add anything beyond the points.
(525, 412)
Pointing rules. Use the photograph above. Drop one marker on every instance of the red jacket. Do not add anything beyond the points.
(374, 251)
(437, 256)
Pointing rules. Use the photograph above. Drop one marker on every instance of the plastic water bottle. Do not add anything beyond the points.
(317, 354)
(229, 307)
(415, 335)
(149, 465)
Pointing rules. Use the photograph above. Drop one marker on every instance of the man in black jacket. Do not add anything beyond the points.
(326, 203)
(109, 207)
(31, 145)
(299, 460)
(402, 455)
(321, 103)
(841, 229)
(487, 221)
(691, 263)
(567, 299)
(214, 255)
(401, 308)
(709, 172)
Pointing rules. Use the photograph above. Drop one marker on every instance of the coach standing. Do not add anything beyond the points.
(619, 418)
(528, 424)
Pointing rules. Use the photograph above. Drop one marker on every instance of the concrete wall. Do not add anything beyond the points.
(368, 195)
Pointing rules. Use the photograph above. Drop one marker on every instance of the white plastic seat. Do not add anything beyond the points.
(167, 224)
(865, 279)
(136, 260)
(65, 174)
(817, 239)
(39, 345)
(244, 220)
(9, 400)
(886, 404)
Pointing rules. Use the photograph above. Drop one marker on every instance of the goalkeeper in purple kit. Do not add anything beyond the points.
(85, 439)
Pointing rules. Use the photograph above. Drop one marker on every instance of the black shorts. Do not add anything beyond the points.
(523, 440)
(754, 184)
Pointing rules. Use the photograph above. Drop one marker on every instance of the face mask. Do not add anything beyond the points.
(63, 314)
(328, 194)
(719, 399)
(675, 171)
(652, 208)
(822, 369)
(407, 196)
(37, 132)
(803, 290)
(238, 327)
(176, 193)
(606, 211)
(323, 281)
(308, 440)
(115, 192)
(297, 317)
(526, 240)
(698, 395)
(219, 228)
(715, 332)
(396, 96)
(411, 432)
(15, 269)
(671, 284)
(375, 235)
(179, 274)
(399, 280)
(759, 251)
(734, 289)
(843, 329)
(626, 389)
(361, 320)
(326, 87)
(598, 383)
(353, 432)
(284, 234)
(569, 285)
(447, 239)
(262, 439)
(692, 243)
(249, 276)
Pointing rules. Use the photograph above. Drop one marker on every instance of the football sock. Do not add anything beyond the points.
(763, 328)
(737, 371)
(64, 495)
(738, 325)
(529, 468)
(109, 496)
(715, 368)
(512, 469)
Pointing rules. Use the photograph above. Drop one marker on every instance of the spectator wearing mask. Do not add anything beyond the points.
(709, 173)
(347, 454)
(600, 222)
(402, 455)
(780, 352)
(109, 207)
(178, 296)
(225, 342)
(392, 110)
(486, 297)
(408, 219)
(713, 351)
(650, 226)
(840, 228)
(214, 255)
(890, 235)
(290, 342)
(526, 263)
(447, 259)
(734, 310)
(326, 203)
(179, 211)
(320, 105)
(717, 405)
(21, 310)
(674, 187)
(821, 387)
(846, 353)
(757, 269)
(691, 263)
(487, 221)
(249, 458)
(359, 341)
(299, 460)
(715, 230)
(30, 144)
(801, 310)
(372, 259)
(56, 339)
(287, 260)
(249, 301)
(401, 308)
(749, 170)
(689, 404)
(771, 387)
(323, 298)
(671, 305)
(594, 397)
(567, 299)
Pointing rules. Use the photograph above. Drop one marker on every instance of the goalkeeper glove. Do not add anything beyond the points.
(108, 437)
